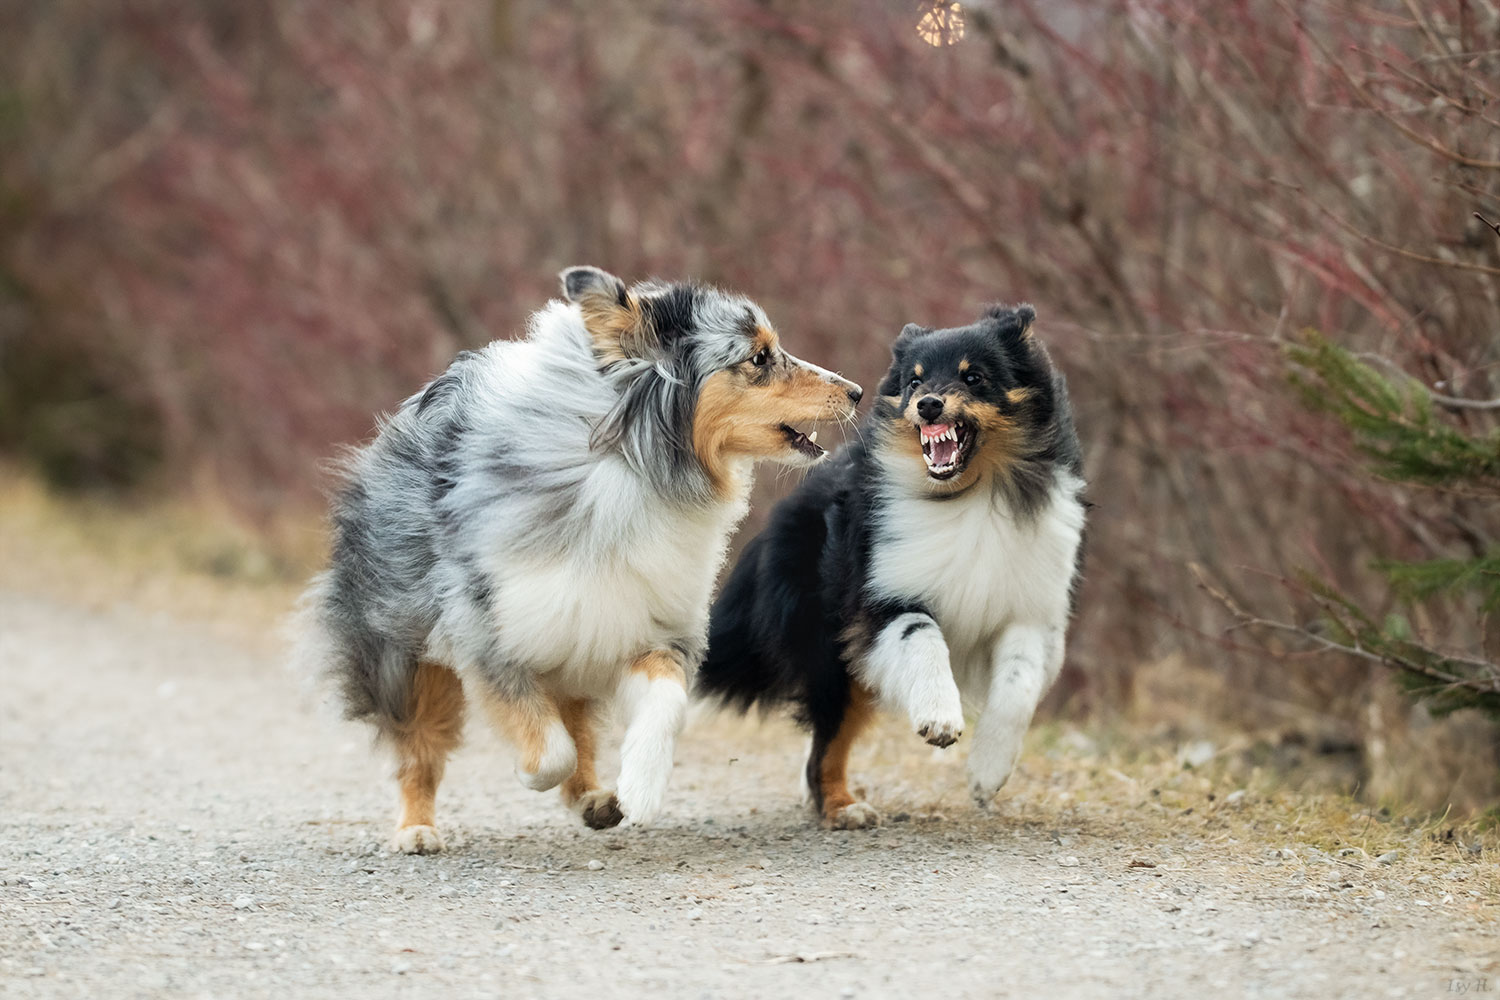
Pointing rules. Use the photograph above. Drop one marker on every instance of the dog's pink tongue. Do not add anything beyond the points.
(944, 452)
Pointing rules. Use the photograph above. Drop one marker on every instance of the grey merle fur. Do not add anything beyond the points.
(455, 482)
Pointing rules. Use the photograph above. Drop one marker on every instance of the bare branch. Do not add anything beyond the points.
(1360, 234)
(1489, 684)
(1369, 101)
(1452, 402)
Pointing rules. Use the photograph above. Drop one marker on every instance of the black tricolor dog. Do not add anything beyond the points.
(937, 556)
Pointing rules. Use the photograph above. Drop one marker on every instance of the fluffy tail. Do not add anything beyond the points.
(332, 645)
(760, 631)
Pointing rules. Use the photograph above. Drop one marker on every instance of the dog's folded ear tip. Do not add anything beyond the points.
(908, 333)
(584, 281)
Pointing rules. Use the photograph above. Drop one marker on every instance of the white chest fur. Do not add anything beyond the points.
(975, 566)
(584, 613)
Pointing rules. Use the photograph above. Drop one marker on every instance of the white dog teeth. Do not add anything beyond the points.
(813, 437)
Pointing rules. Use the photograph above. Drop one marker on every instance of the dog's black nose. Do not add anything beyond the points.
(855, 393)
(930, 407)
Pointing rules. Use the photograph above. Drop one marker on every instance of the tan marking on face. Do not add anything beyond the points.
(963, 366)
(738, 418)
(1018, 396)
(616, 330)
(918, 371)
(765, 340)
(833, 769)
(659, 664)
(433, 728)
(525, 723)
(998, 444)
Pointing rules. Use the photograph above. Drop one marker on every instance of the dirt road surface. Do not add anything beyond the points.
(181, 819)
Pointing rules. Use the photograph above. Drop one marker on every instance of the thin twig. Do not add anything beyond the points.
(1360, 234)
(1452, 402)
(1369, 101)
(815, 956)
(1493, 225)
(1244, 619)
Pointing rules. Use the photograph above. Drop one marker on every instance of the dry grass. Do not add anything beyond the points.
(1256, 828)
(1143, 788)
(194, 560)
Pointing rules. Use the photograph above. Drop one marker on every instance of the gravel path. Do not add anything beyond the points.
(180, 819)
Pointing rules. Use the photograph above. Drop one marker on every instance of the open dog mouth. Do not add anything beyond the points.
(945, 447)
(807, 444)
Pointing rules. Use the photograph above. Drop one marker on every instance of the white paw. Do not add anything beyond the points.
(939, 717)
(640, 802)
(558, 761)
(417, 840)
(941, 732)
(941, 726)
(991, 764)
(984, 790)
(854, 816)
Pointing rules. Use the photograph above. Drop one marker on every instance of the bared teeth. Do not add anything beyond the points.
(813, 437)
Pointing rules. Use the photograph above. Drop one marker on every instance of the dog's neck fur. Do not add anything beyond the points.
(650, 422)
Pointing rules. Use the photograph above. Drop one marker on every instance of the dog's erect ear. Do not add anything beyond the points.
(611, 314)
(909, 333)
(581, 284)
(1015, 322)
(891, 384)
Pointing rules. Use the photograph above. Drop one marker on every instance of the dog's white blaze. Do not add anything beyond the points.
(654, 710)
(912, 672)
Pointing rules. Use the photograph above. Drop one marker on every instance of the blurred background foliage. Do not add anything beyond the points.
(230, 232)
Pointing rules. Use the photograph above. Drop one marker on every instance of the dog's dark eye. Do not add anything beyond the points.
(761, 357)
(973, 378)
(916, 381)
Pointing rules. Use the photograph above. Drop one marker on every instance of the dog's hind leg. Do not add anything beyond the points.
(834, 733)
(654, 697)
(599, 808)
(532, 720)
(432, 729)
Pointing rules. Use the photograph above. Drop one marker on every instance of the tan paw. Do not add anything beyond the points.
(854, 816)
(600, 809)
(417, 840)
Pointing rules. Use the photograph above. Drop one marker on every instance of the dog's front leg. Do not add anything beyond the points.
(1026, 662)
(653, 696)
(528, 716)
(907, 666)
